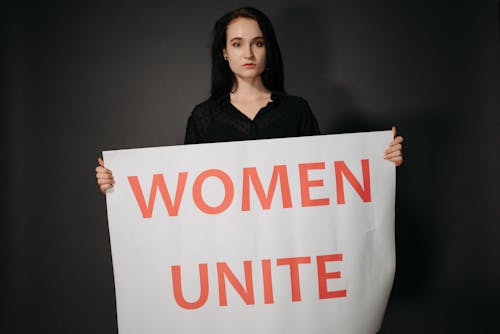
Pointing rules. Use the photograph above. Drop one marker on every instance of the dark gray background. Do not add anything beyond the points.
(80, 78)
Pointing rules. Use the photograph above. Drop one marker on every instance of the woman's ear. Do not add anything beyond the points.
(224, 53)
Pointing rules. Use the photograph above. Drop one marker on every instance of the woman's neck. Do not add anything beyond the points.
(250, 90)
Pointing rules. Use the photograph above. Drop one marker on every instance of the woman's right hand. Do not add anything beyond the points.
(104, 176)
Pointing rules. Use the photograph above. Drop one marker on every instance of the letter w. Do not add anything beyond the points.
(250, 173)
(158, 184)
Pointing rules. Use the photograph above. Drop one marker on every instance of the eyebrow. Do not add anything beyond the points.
(253, 39)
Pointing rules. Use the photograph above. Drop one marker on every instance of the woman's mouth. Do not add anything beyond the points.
(249, 65)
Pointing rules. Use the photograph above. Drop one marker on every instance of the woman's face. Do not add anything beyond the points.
(245, 49)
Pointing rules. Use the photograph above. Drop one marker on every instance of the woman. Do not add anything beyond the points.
(247, 97)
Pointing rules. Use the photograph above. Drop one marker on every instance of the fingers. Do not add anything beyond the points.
(397, 160)
(102, 169)
(105, 183)
(103, 173)
(104, 176)
(394, 151)
(392, 155)
(105, 187)
(394, 133)
(397, 140)
(104, 179)
(393, 148)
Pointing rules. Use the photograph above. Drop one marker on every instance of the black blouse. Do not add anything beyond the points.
(219, 121)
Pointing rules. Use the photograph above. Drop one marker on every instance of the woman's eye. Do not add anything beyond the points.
(259, 43)
(236, 44)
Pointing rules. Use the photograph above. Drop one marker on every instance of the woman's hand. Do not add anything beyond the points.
(104, 176)
(394, 152)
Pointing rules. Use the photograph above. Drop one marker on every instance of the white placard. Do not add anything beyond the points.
(292, 235)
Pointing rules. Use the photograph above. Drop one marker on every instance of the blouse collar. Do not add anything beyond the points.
(275, 96)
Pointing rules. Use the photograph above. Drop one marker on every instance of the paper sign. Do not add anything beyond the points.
(292, 235)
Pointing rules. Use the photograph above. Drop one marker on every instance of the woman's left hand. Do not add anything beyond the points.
(394, 152)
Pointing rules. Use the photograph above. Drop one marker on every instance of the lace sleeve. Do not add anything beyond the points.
(196, 126)
(308, 123)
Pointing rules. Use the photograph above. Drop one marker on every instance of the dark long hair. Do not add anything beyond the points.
(223, 78)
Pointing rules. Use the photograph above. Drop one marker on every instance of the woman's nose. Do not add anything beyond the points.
(248, 52)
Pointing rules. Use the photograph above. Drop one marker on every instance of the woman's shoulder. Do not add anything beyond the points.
(298, 107)
(294, 101)
(206, 108)
(206, 105)
(200, 119)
